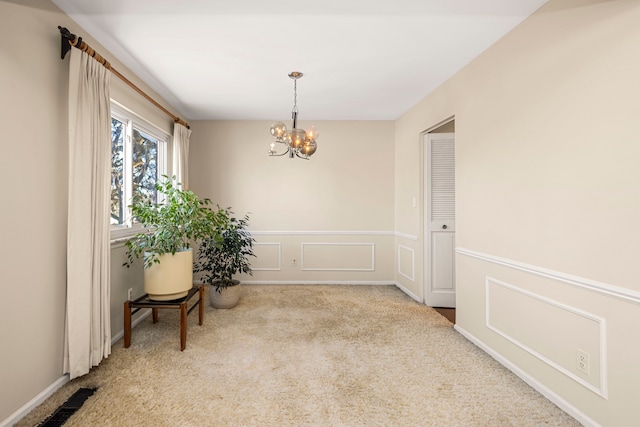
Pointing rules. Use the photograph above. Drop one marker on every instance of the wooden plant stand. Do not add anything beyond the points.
(145, 302)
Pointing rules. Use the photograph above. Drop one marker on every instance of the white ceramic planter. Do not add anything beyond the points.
(226, 298)
(171, 278)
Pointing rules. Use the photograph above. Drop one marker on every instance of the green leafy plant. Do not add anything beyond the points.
(172, 224)
(220, 258)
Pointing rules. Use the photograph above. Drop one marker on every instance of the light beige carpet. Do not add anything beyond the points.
(305, 356)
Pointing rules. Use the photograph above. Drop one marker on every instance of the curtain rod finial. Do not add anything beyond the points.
(65, 41)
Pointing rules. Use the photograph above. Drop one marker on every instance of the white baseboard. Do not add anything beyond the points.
(46, 393)
(313, 282)
(33, 403)
(408, 292)
(134, 322)
(541, 388)
(327, 282)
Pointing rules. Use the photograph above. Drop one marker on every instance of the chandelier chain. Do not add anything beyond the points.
(295, 97)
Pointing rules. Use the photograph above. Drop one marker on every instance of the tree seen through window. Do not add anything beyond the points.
(136, 164)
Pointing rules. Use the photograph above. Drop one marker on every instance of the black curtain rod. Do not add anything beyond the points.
(69, 40)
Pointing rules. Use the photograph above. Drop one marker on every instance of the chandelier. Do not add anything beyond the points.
(297, 142)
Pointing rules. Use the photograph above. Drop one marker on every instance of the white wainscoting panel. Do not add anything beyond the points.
(406, 262)
(337, 256)
(522, 317)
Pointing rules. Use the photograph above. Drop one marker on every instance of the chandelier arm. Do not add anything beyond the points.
(280, 155)
(297, 154)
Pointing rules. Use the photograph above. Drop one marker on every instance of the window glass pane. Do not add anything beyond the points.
(118, 204)
(138, 159)
(144, 165)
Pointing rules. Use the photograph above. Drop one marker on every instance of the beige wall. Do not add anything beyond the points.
(548, 200)
(34, 163)
(314, 211)
(33, 113)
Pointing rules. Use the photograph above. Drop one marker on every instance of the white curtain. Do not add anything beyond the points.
(181, 135)
(88, 323)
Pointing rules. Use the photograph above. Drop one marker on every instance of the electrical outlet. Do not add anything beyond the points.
(582, 361)
(294, 262)
(129, 293)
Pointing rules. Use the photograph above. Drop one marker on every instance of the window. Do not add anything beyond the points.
(138, 160)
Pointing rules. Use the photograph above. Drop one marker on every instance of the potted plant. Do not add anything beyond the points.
(170, 227)
(222, 258)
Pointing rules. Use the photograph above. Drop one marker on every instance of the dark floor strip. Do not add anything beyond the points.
(68, 408)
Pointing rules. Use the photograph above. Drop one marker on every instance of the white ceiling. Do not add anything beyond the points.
(361, 59)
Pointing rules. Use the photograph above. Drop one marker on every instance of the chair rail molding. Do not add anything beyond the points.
(321, 233)
(603, 288)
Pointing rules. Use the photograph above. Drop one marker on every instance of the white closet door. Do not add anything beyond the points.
(440, 281)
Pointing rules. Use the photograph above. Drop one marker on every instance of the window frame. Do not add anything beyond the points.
(132, 120)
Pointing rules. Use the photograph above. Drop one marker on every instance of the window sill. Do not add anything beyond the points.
(118, 242)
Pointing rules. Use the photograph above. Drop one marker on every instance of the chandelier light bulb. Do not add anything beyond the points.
(312, 133)
(298, 136)
(309, 148)
(278, 129)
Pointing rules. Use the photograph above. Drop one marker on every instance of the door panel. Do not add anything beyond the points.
(443, 269)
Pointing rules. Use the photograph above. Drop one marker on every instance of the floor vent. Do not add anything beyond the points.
(68, 408)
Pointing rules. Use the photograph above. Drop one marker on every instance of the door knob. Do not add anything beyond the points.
(444, 227)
